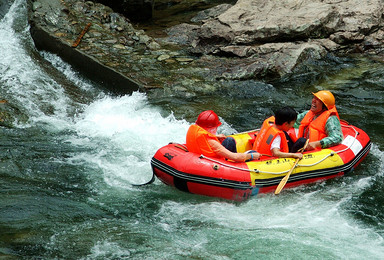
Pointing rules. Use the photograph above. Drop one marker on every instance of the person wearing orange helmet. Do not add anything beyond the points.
(321, 124)
(202, 139)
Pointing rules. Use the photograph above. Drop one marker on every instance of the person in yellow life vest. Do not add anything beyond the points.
(202, 139)
(273, 139)
(321, 124)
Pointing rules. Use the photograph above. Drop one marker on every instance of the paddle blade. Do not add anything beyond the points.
(281, 184)
(285, 179)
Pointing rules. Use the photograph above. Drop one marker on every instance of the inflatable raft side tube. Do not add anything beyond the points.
(199, 179)
(308, 176)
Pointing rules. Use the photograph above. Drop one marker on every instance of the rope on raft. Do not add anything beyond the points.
(278, 173)
(228, 165)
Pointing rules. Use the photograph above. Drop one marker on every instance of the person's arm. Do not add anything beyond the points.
(334, 132)
(237, 157)
(299, 118)
(221, 137)
(277, 153)
(275, 149)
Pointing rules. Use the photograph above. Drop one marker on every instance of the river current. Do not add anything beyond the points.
(70, 152)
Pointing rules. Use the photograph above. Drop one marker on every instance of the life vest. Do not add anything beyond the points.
(314, 129)
(293, 134)
(266, 136)
(197, 141)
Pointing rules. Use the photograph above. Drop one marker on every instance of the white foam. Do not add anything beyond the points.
(128, 132)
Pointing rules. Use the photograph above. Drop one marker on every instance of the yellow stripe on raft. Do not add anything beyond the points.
(278, 167)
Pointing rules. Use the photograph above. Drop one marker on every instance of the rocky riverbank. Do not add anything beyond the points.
(251, 39)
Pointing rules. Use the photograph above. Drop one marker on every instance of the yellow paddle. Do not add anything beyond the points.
(285, 179)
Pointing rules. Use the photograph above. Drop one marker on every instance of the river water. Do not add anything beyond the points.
(70, 152)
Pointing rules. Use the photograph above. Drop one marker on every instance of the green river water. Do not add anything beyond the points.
(70, 152)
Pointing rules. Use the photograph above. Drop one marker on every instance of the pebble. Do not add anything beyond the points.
(163, 57)
(36, 5)
(113, 41)
(184, 59)
(119, 46)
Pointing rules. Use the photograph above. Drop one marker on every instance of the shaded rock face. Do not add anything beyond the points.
(135, 10)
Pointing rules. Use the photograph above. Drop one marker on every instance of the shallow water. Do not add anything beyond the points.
(70, 152)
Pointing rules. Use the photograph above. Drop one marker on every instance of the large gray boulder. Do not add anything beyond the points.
(251, 22)
(274, 38)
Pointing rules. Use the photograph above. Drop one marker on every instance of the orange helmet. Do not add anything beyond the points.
(208, 120)
(326, 97)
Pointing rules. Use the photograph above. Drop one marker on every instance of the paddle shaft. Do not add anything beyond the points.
(285, 179)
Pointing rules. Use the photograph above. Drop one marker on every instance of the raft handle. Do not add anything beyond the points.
(180, 146)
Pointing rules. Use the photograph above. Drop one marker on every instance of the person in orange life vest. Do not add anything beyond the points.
(273, 138)
(321, 124)
(202, 139)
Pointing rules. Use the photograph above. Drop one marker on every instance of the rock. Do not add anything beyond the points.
(119, 46)
(163, 57)
(252, 39)
(328, 44)
(36, 6)
(184, 59)
(211, 13)
(53, 29)
(143, 38)
(182, 34)
(250, 22)
(153, 45)
(268, 33)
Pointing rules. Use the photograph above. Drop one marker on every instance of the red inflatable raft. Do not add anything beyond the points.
(174, 165)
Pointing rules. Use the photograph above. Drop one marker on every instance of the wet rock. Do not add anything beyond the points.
(108, 52)
(163, 57)
(276, 37)
(36, 6)
(210, 13)
(250, 21)
(183, 34)
(252, 39)
(184, 59)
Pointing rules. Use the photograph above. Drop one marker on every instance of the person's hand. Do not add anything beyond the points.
(255, 155)
(313, 145)
(298, 156)
(221, 137)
